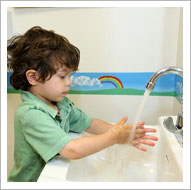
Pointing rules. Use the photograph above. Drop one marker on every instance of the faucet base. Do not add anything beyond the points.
(170, 126)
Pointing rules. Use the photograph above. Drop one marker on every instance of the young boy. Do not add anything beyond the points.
(42, 62)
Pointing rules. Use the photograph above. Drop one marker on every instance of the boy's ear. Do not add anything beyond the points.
(32, 77)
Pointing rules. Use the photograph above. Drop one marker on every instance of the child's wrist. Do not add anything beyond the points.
(114, 135)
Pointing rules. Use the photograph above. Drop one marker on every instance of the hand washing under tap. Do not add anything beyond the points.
(151, 84)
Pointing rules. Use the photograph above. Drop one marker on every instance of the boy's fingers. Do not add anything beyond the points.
(150, 137)
(140, 148)
(147, 142)
(140, 123)
(139, 136)
(123, 121)
(145, 130)
(150, 130)
(140, 127)
(142, 141)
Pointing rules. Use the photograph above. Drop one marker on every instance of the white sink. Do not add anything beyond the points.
(123, 163)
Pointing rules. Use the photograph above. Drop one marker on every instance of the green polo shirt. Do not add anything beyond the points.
(40, 133)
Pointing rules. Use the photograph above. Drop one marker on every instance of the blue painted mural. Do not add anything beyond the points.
(119, 84)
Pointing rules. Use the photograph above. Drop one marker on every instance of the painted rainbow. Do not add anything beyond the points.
(111, 79)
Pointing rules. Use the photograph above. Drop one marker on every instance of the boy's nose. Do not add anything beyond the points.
(68, 81)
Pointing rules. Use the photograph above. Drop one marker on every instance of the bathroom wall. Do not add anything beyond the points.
(110, 40)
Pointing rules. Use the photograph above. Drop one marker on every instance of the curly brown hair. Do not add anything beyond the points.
(41, 50)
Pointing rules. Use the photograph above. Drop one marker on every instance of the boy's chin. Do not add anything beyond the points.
(60, 99)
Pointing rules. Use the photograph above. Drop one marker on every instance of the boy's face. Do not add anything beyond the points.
(56, 88)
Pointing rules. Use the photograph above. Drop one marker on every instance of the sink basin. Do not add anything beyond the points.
(123, 163)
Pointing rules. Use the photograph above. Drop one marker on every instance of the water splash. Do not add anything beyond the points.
(141, 106)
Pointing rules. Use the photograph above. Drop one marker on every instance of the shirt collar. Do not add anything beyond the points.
(28, 96)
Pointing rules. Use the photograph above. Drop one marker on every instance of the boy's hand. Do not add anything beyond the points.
(123, 132)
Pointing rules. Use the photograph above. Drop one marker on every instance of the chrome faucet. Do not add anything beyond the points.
(151, 84)
(166, 70)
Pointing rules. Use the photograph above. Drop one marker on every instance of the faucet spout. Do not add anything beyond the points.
(166, 70)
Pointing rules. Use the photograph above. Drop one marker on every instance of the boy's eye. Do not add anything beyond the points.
(66, 75)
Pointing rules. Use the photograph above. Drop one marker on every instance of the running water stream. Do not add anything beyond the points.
(141, 106)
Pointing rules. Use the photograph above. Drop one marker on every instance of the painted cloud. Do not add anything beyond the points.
(85, 81)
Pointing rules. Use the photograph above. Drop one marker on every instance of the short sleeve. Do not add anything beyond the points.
(43, 134)
(79, 121)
